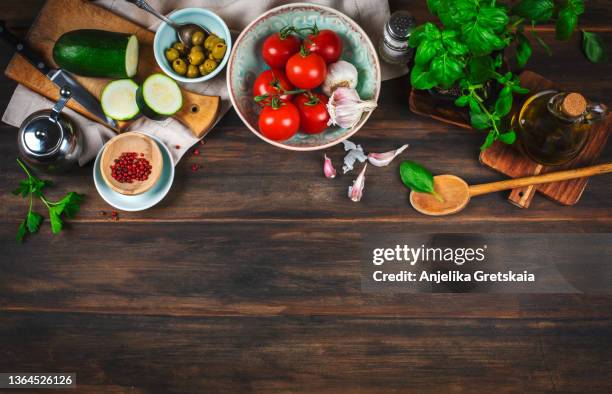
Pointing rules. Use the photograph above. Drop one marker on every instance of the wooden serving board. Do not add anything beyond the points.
(508, 160)
(60, 16)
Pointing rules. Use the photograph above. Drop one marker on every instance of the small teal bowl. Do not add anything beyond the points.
(245, 64)
(166, 36)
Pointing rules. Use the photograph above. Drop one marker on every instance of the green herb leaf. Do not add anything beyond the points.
(503, 104)
(462, 101)
(452, 43)
(488, 141)
(426, 51)
(480, 121)
(523, 50)
(577, 6)
(24, 188)
(420, 78)
(417, 36)
(594, 47)
(21, 231)
(432, 33)
(55, 214)
(456, 13)
(446, 69)
(508, 137)
(536, 10)
(519, 89)
(566, 23)
(434, 6)
(493, 17)
(417, 178)
(33, 221)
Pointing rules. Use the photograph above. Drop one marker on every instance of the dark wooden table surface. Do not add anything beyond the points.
(247, 276)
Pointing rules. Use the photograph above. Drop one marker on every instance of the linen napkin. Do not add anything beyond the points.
(371, 15)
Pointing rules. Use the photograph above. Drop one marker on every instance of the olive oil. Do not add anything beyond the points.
(553, 127)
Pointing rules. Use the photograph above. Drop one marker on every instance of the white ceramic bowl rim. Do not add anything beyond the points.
(164, 66)
(281, 144)
(153, 201)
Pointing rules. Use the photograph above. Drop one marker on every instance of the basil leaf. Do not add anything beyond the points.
(480, 38)
(577, 6)
(488, 141)
(474, 107)
(456, 13)
(420, 78)
(503, 104)
(594, 47)
(519, 89)
(426, 51)
(417, 36)
(434, 6)
(462, 101)
(508, 137)
(416, 177)
(452, 45)
(523, 50)
(536, 10)
(446, 69)
(432, 32)
(566, 23)
(480, 121)
(493, 17)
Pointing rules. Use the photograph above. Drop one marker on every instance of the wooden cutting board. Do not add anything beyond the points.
(508, 160)
(59, 16)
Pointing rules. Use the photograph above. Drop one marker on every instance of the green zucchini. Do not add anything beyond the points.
(97, 53)
(159, 97)
(118, 100)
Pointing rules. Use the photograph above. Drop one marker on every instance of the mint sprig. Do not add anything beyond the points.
(33, 187)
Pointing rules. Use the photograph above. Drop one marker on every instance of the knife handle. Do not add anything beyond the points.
(21, 47)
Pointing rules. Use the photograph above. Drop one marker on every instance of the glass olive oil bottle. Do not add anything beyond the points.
(554, 127)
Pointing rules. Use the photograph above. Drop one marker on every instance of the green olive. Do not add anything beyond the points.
(196, 58)
(219, 51)
(179, 47)
(192, 71)
(196, 48)
(208, 66)
(179, 66)
(172, 54)
(197, 38)
(211, 41)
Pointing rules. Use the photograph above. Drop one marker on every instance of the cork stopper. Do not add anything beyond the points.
(573, 105)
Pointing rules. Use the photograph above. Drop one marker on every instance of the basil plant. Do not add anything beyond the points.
(466, 52)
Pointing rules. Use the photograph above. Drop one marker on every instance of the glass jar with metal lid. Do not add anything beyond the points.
(393, 47)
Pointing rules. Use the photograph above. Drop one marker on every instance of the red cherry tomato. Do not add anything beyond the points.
(278, 49)
(325, 43)
(306, 70)
(279, 123)
(272, 83)
(313, 112)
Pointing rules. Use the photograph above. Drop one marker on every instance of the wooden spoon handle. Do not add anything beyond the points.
(477, 190)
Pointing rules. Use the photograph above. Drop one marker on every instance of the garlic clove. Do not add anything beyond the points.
(355, 192)
(384, 159)
(328, 168)
(345, 108)
(340, 74)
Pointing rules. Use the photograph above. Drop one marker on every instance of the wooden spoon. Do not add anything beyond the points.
(131, 142)
(456, 193)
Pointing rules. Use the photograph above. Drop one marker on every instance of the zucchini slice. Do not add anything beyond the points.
(97, 53)
(159, 97)
(118, 100)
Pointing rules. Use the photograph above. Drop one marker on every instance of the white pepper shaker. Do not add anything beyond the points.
(393, 47)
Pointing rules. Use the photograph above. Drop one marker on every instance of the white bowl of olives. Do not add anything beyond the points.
(206, 55)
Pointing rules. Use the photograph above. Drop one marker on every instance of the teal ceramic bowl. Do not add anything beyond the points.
(246, 63)
(141, 201)
(166, 36)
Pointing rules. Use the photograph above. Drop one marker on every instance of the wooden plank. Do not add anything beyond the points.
(190, 269)
(313, 354)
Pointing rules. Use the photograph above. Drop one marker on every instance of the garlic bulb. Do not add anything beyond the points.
(340, 74)
(345, 107)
